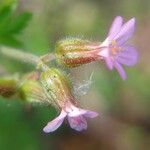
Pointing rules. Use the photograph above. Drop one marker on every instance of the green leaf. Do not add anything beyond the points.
(5, 17)
(10, 41)
(5, 13)
(18, 23)
(10, 24)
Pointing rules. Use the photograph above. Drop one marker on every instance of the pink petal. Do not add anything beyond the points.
(104, 53)
(126, 32)
(91, 114)
(76, 112)
(77, 123)
(115, 27)
(120, 70)
(128, 56)
(109, 63)
(54, 124)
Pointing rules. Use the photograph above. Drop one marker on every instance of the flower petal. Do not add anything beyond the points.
(128, 56)
(77, 123)
(120, 70)
(109, 63)
(54, 124)
(91, 114)
(104, 53)
(77, 112)
(126, 32)
(115, 27)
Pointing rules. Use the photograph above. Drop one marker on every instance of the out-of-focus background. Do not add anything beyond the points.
(123, 106)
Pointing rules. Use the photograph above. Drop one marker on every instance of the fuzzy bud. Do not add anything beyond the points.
(8, 87)
(75, 52)
(57, 87)
(31, 90)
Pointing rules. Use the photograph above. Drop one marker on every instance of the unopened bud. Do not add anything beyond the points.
(31, 90)
(74, 52)
(8, 87)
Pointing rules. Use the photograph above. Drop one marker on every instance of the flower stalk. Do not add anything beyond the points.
(19, 55)
(25, 57)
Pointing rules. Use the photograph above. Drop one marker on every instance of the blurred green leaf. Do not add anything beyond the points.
(10, 41)
(11, 25)
(5, 13)
(18, 23)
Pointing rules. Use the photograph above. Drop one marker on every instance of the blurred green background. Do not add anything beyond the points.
(35, 26)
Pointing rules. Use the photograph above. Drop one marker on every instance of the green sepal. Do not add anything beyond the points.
(30, 89)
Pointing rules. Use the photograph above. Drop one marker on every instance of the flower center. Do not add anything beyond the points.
(114, 47)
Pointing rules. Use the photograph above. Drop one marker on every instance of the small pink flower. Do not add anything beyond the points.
(76, 118)
(116, 52)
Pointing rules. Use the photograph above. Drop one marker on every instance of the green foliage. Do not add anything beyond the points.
(11, 25)
(112, 94)
(20, 126)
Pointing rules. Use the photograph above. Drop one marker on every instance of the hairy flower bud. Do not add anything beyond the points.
(8, 87)
(74, 52)
(56, 86)
(31, 90)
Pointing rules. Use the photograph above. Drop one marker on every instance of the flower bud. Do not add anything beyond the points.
(75, 52)
(31, 90)
(8, 87)
(56, 86)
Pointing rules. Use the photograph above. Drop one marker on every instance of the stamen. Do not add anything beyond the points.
(114, 43)
(114, 47)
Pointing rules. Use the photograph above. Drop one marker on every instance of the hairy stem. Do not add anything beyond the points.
(19, 55)
(26, 57)
(48, 57)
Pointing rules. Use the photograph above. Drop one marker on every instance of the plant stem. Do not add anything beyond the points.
(48, 57)
(19, 55)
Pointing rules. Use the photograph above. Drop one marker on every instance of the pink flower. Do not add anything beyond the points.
(116, 52)
(60, 95)
(76, 118)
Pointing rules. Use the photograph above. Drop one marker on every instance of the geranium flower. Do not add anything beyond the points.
(76, 118)
(116, 52)
(58, 90)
